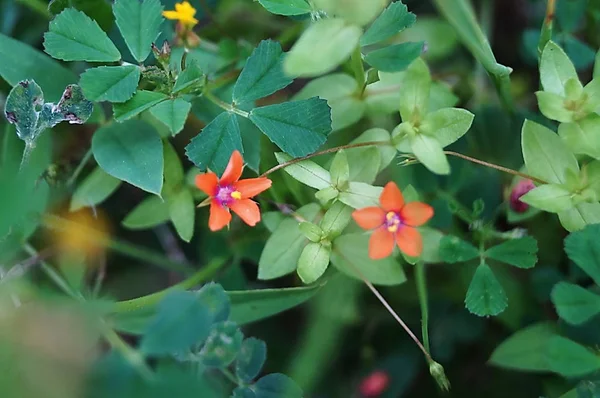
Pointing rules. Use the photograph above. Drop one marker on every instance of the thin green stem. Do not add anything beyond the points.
(421, 281)
(53, 275)
(227, 373)
(129, 353)
(26, 155)
(38, 6)
(323, 152)
(359, 69)
(224, 105)
(145, 301)
(80, 167)
(547, 26)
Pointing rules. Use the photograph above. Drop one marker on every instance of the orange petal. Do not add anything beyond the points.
(252, 186)
(409, 240)
(369, 217)
(207, 183)
(416, 213)
(233, 172)
(219, 216)
(381, 244)
(391, 198)
(247, 210)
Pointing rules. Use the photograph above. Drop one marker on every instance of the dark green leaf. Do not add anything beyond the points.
(110, 83)
(94, 189)
(520, 252)
(286, 7)
(149, 213)
(212, 148)
(394, 19)
(172, 113)
(394, 58)
(132, 152)
(216, 300)
(139, 22)
(583, 247)
(298, 127)
(180, 322)
(262, 75)
(570, 359)
(485, 296)
(222, 345)
(455, 250)
(575, 304)
(73, 36)
(192, 76)
(251, 359)
(277, 385)
(140, 101)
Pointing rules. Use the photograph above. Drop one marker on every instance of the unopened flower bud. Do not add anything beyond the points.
(522, 187)
(163, 54)
(374, 384)
(437, 371)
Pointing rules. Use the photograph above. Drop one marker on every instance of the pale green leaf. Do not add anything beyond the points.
(430, 153)
(440, 36)
(340, 170)
(575, 304)
(73, 36)
(140, 101)
(387, 152)
(335, 220)
(579, 216)
(582, 136)
(550, 197)
(364, 165)
(394, 19)
(149, 213)
(312, 232)
(357, 12)
(414, 96)
(394, 58)
(555, 69)
(455, 250)
(447, 125)
(553, 106)
(94, 189)
(306, 171)
(520, 252)
(182, 211)
(359, 195)
(286, 7)
(110, 83)
(172, 113)
(313, 261)
(485, 296)
(139, 22)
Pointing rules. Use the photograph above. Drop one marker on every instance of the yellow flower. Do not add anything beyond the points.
(184, 13)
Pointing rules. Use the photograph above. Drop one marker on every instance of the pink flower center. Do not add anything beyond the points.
(226, 195)
(393, 221)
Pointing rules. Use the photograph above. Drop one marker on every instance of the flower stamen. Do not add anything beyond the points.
(392, 221)
(236, 195)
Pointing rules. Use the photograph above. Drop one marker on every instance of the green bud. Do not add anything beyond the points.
(437, 371)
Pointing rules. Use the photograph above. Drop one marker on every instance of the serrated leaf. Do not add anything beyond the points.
(140, 101)
(172, 113)
(191, 76)
(212, 148)
(215, 298)
(447, 125)
(570, 359)
(286, 7)
(251, 359)
(394, 58)
(222, 345)
(277, 385)
(94, 189)
(132, 152)
(520, 252)
(455, 250)
(555, 69)
(110, 83)
(350, 253)
(485, 296)
(139, 23)
(262, 75)
(583, 248)
(546, 156)
(73, 36)
(394, 19)
(180, 322)
(550, 197)
(575, 304)
(149, 213)
(321, 48)
(298, 127)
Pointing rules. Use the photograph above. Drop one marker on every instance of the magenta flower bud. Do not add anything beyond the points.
(374, 384)
(520, 189)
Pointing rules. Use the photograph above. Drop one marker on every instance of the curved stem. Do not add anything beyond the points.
(323, 152)
(80, 167)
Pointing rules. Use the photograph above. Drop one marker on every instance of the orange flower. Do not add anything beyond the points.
(394, 222)
(229, 192)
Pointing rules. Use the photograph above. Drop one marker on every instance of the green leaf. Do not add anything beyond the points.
(73, 36)
(570, 359)
(286, 7)
(485, 296)
(350, 253)
(313, 261)
(359, 195)
(335, 220)
(340, 170)
(191, 77)
(526, 349)
(251, 359)
(394, 58)
(546, 156)
(306, 171)
(277, 385)
(364, 165)
(283, 248)
(581, 136)
(440, 36)
(139, 23)
(447, 125)
(321, 48)
(357, 155)
(172, 113)
(430, 153)
(298, 128)
(110, 83)
(212, 148)
(181, 212)
(550, 197)
(579, 216)
(253, 305)
(180, 322)
(222, 345)
(455, 250)
(262, 75)
(140, 101)
(311, 231)
(432, 238)
(394, 19)
(215, 298)
(150, 212)
(575, 304)
(414, 98)
(132, 152)
(583, 248)
(520, 252)
(597, 66)
(555, 69)
(29, 63)
(94, 189)
(358, 12)
(553, 107)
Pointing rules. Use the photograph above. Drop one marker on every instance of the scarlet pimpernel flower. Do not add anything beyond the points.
(394, 223)
(184, 13)
(229, 192)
